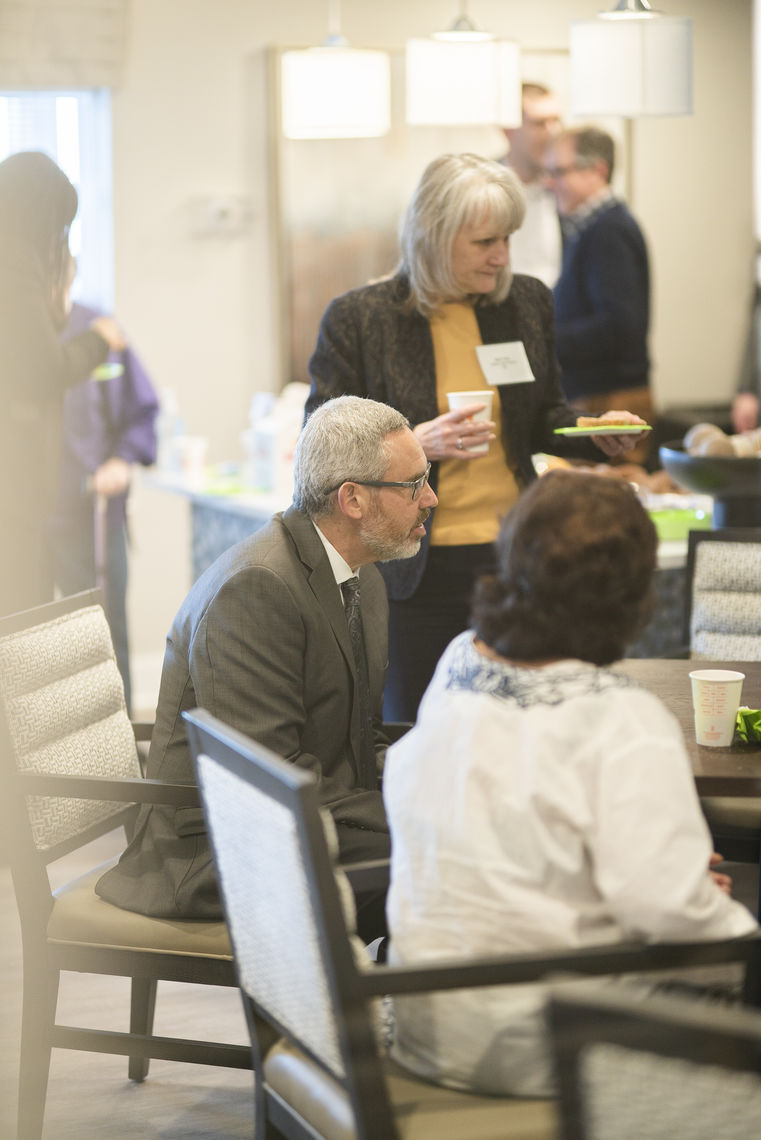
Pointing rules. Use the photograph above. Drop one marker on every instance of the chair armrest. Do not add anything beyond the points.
(395, 729)
(372, 875)
(124, 789)
(590, 961)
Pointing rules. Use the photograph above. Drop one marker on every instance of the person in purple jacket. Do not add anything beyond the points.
(108, 425)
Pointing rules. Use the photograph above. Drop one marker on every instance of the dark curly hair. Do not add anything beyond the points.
(575, 562)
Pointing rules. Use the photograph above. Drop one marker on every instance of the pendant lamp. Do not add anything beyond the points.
(631, 61)
(335, 91)
(463, 76)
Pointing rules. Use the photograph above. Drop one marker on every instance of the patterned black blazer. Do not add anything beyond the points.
(371, 344)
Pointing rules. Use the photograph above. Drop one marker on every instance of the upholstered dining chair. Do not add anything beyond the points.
(722, 619)
(656, 1069)
(722, 622)
(70, 773)
(310, 993)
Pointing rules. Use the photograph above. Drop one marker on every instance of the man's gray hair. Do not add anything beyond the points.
(455, 190)
(592, 145)
(344, 439)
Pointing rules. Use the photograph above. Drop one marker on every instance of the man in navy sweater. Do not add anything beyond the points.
(602, 298)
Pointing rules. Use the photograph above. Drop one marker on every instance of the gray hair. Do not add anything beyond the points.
(345, 438)
(455, 190)
(592, 145)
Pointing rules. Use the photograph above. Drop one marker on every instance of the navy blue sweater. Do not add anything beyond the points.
(602, 307)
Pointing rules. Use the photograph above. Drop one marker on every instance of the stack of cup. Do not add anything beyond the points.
(715, 700)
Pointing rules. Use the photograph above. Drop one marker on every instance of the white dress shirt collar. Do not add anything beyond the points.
(342, 571)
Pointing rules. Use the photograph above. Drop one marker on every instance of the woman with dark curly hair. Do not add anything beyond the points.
(559, 808)
(574, 579)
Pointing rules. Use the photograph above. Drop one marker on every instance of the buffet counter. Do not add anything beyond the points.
(224, 511)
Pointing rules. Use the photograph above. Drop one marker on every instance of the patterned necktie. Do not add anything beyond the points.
(367, 775)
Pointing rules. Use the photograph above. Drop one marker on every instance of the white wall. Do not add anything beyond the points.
(201, 311)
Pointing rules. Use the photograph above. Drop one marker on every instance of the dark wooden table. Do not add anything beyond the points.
(734, 771)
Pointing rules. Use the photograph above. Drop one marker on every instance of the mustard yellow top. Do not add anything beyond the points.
(474, 495)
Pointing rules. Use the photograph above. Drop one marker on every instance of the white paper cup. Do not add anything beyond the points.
(459, 400)
(715, 699)
(193, 450)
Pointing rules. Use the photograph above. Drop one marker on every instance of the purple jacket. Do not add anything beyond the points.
(105, 418)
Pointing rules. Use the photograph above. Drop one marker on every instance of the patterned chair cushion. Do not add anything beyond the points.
(630, 1093)
(63, 700)
(287, 976)
(726, 603)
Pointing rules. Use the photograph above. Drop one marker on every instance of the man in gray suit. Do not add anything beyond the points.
(262, 641)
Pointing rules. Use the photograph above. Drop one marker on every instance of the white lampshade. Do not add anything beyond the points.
(461, 84)
(334, 93)
(631, 67)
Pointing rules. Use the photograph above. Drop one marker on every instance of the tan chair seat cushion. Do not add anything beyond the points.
(79, 916)
(423, 1111)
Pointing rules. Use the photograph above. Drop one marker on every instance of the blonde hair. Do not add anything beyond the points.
(455, 190)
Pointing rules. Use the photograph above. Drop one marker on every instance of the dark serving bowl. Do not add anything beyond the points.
(735, 484)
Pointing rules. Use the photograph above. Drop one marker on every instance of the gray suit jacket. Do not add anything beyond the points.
(261, 641)
(371, 344)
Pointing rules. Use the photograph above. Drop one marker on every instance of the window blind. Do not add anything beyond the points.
(62, 43)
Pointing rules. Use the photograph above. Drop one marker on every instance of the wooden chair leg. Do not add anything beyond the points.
(142, 1008)
(37, 1019)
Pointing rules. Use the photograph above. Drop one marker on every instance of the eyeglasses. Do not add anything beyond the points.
(561, 171)
(416, 484)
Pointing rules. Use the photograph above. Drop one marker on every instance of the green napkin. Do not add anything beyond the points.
(108, 371)
(749, 724)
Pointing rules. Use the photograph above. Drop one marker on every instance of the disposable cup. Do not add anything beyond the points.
(459, 400)
(715, 700)
(193, 450)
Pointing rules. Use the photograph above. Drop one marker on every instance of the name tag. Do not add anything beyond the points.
(505, 363)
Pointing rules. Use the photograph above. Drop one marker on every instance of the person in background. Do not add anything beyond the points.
(108, 425)
(559, 806)
(37, 206)
(269, 640)
(602, 297)
(745, 405)
(411, 340)
(745, 408)
(535, 248)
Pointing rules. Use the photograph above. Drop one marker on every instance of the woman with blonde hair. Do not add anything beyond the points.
(412, 339)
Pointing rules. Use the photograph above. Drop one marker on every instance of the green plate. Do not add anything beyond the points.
(108, 371)
(675, 525)
(607, 429)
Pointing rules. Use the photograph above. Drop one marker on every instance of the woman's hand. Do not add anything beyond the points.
(614, 445)
(111, 333)
(723, 882)
(451, 434)
(112, 477)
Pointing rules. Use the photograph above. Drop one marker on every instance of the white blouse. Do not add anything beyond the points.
(534, 809)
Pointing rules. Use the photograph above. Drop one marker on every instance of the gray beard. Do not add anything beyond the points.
(388, 550)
